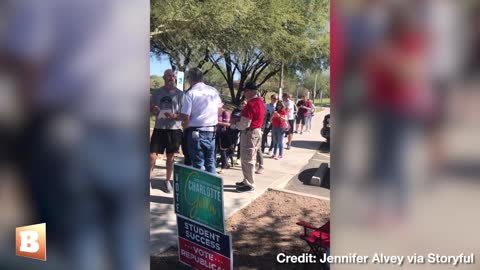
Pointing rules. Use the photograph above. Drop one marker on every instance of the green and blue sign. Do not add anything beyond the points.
(198, 196)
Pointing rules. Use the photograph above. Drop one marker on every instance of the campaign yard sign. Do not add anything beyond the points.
(180, 79)
(198, 195)
(203, 248)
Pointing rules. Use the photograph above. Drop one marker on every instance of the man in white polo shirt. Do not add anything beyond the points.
(290, 107)
(200, 110)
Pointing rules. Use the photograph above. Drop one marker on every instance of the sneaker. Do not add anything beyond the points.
(237, 162)
(280, 157)
(245, 189)
(296, 132)
(288, 146)
(240, 184)
(168, 187)
(301, 132)
(274, 157)
(260, 171)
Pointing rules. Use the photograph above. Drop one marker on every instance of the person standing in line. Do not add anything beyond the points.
(201, 106)
(290, 108)
(222, 127)
(303, 106)
(251, 135)
(269, 108)
(167, 135)
(259, 165)
(259, 169)
(308, 119)
(234, 119)
(279, 118)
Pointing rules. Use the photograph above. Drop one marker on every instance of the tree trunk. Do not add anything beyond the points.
(232, 92)
(241, 83)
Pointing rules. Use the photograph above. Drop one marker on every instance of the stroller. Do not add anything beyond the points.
(228, 142)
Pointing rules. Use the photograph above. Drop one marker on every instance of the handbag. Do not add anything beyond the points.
(286, 128)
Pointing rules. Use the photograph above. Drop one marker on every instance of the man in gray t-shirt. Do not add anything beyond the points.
(167, 102)
(167, 134)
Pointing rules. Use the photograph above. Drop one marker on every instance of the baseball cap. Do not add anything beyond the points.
(251, 86)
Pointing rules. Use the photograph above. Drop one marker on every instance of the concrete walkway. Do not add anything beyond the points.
(163, 232)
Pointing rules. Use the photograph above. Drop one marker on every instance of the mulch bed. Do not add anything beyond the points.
(263, 229)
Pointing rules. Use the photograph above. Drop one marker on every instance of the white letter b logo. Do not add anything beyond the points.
(29, 242)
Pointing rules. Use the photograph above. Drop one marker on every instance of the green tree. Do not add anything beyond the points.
(248, 38)
(156, 81)
(322, 83)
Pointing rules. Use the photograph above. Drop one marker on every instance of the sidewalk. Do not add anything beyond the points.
(277, 173)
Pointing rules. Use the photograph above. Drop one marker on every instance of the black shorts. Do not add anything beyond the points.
(291, 123)
(166, 140)
(300, 118)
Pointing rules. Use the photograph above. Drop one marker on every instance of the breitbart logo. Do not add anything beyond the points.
(31, 242)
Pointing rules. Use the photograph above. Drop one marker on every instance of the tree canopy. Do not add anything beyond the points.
(244, 39)
(156, 81)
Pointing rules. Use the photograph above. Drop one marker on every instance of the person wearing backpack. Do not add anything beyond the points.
(279, 120)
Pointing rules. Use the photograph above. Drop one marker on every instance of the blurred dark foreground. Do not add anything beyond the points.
(405, 170)
(74, 131)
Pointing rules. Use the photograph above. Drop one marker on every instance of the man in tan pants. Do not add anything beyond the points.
(251, 136)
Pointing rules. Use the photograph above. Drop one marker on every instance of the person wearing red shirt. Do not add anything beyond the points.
(251, 135)
(279, 118)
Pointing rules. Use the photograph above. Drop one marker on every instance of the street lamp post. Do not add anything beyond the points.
(280, 82)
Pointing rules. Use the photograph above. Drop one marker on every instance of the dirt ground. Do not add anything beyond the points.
(263, 229)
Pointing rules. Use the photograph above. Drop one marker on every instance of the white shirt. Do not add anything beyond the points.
(290, 107)
(201, 103)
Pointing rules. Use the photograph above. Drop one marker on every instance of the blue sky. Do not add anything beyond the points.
(157, 67)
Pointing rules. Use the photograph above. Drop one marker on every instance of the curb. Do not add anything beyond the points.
(299, 193)
(319, 176)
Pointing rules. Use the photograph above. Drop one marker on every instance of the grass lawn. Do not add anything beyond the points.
(325, 102)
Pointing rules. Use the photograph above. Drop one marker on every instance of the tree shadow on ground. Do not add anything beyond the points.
(305, 144)
(158, 184)
(324, 147)
(161, 199)
(306, 175)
